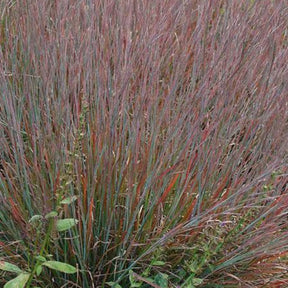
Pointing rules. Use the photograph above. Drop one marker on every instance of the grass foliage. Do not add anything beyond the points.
(143, 143)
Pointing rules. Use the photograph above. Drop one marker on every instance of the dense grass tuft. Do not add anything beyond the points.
(166, 120)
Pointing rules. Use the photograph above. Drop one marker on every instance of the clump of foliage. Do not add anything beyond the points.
(143, 143)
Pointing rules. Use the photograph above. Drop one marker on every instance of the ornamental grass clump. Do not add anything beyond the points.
(143, 143)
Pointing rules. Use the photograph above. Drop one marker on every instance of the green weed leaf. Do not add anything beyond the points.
(193, 266)
(18, 282)
(35, 218)
(133, 282)
(51, 214)
(69, 200)
(60, 266)
(197, 281)
(113, 284)
(161, 279)
(66, 224)
(148, 279)
(157, 263)
(39, 270)
(40, 258)
(6, 266)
